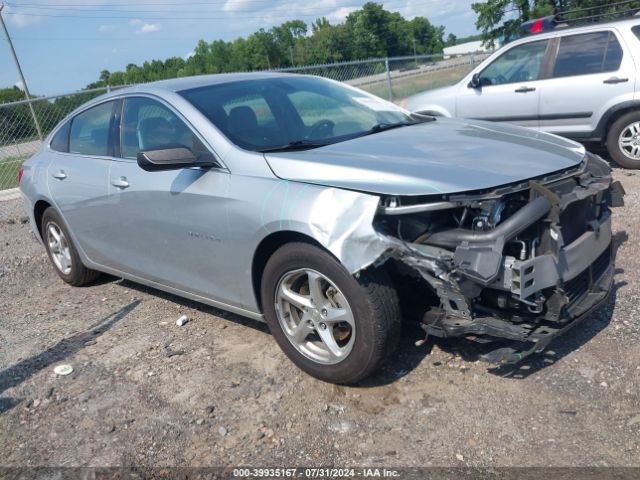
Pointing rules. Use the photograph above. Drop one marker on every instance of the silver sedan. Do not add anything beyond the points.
(327, 212)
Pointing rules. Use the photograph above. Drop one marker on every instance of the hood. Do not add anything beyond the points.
(440, 157)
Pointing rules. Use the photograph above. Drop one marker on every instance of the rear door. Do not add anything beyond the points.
(78, 176)
(590, 74)
(510, 87)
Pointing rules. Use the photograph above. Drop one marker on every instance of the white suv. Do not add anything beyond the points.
(578, 82)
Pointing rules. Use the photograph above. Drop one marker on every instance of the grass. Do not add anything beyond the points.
(406, 86)
(9, 168)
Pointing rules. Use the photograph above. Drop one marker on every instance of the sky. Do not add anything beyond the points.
(63, 45)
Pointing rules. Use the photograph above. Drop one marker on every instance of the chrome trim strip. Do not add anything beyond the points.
(425, 207)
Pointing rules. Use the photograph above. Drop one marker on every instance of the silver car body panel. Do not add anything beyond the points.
(438, 157)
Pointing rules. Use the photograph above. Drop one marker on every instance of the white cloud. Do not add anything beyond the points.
(19, 85)
(456, 16)
(339, 15)
(149, 28)
(189, 55)
(237, 5)
(107, 28)
(143, 27)
(18, 19)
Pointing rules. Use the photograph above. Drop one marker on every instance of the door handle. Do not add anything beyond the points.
(614, 80)
(120, 183)
(525, 89)
(60, 175)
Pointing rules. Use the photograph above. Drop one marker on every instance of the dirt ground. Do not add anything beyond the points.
(218, 391)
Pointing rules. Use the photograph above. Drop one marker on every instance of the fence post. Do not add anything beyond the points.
(24, 82)
(386, 66)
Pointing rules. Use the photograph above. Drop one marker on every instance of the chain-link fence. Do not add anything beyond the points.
(397, 78)
(23, 124)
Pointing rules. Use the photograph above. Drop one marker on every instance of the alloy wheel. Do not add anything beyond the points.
(59, 248)
(315, 316)
(629, 141)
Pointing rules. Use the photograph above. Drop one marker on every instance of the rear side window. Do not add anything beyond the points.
(60, 141)
(587, 54)
(90, 131)
(636, 30)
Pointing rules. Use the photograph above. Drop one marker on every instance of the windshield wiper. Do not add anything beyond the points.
(295, 145)
(381, 127)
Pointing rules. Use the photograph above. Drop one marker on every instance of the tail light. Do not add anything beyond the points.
(540, 25)
(20, 173)
(537, 26)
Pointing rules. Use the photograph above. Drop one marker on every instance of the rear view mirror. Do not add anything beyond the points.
(171, 158)
(475, 81)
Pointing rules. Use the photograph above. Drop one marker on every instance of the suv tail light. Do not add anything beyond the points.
(20, 173)
(540, 25)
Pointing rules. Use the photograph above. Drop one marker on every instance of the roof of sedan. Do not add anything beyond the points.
(186, 83)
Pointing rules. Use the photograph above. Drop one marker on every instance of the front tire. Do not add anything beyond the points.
(623, 140)
(331, 325)
(62, 252)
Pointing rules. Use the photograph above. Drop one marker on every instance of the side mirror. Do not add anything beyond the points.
(475, 81)
(170, 158)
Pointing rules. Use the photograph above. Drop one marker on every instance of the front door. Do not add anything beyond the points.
(171, 224)
(509, 87)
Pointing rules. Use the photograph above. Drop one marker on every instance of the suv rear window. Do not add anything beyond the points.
(587, 54)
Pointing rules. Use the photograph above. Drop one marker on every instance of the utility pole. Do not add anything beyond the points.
(24, 82)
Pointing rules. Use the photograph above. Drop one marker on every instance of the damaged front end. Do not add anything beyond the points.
(523, 262)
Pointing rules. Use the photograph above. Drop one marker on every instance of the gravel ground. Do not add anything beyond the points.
(218, 391)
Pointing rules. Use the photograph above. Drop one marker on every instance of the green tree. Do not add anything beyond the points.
(500, 20)
(371, 31)
(104, 76)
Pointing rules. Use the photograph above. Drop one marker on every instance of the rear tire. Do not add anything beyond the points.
(307, 295)
(62, 252)
(623, 140)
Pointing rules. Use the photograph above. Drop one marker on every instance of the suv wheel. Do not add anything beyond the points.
(623, 140)
(62, 252)
(335, 327)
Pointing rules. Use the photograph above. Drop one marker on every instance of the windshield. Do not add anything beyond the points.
(298, 112)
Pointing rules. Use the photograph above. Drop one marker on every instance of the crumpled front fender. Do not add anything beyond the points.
(339, 220)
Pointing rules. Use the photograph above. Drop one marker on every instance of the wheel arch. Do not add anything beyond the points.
(267, 247)
(613, 114)
(38, 211)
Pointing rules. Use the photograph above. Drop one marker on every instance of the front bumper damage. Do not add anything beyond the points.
(526, 277)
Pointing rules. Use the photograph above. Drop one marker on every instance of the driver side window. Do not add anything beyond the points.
(519, 64)
(314, 108)
(149, 125)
